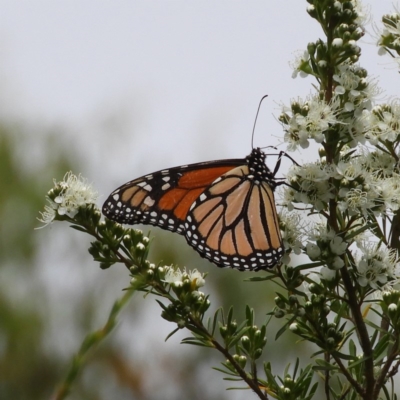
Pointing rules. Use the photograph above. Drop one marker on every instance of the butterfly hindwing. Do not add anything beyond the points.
(234, 222)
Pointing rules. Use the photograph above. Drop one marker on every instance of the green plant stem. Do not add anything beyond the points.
(358, 388)
(395, 232)
(362, 333)
(91, 340)
(251, 382)
(394, 370)
(380, 381)
(343, 369)
(327, 378)
(254, 371)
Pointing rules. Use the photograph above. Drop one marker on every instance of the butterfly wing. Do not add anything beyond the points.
(225, 209)
(234, 222)
(164, 198)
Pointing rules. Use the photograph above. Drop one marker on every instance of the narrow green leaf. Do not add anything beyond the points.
(345, 356)
(227, 372)
(353, 234)
(249, 315)
(309, 265)
(195, 343)
(171, 334)
(230, 316)
(376, 327)
(324, 368)
(260, 278)
(312, 391)
(79, 228)
(284, 328)
(215, 320)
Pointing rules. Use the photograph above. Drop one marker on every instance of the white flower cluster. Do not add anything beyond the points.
(292, 233)
(67, 197)
(378, 267)
(313, 187)
(390, 35)
(176, 277)
(361, 183)
(382, 123)
(307, 120)
(349, 110)
(328, 246)
(353, 85)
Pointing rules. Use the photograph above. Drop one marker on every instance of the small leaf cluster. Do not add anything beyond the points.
(291, 387)
(130, 242)
(248, 341)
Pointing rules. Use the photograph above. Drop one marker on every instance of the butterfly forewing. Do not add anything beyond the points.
(225, 209)
(163, 198)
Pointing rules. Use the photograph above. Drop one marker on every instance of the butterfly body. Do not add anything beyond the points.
(225, 209)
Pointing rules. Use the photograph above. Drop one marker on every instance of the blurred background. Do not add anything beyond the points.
(115, 90)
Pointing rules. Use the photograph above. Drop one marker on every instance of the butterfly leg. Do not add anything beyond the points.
(278, 163)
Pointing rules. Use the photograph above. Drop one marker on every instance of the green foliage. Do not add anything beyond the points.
(26, 371)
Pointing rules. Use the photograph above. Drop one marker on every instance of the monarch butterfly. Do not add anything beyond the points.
(225, 209)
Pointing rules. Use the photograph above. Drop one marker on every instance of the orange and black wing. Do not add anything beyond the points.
(164, 198)
(225, 209)
(234, 222)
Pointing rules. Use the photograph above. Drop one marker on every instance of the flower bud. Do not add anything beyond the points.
(337, 42)
(181, 324)
(245, 342)
(392, 309)
(126, 240)
(258, 353)
(242, 361)
(280, 303)
(293, 300)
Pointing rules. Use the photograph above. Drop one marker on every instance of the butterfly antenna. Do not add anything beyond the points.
(255, 121)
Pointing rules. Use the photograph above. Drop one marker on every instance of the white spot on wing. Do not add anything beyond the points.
(149, 201)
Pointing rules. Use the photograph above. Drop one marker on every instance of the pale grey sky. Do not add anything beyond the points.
(179, 79)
